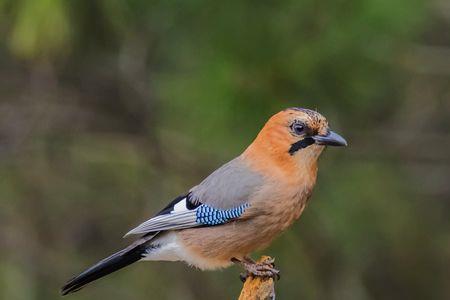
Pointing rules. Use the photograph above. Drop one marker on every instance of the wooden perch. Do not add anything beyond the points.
(257, 287)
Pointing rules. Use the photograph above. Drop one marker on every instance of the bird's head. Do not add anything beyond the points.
(297, 134)
(304, 128)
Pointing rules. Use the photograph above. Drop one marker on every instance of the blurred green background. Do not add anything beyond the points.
(109, 109)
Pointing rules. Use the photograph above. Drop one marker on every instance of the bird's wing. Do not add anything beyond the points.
(183, 214)
(223, 196)
(229, 186)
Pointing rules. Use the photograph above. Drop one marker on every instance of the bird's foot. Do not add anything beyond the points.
(265, 268)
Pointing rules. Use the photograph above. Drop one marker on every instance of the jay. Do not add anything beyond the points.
(239, 208)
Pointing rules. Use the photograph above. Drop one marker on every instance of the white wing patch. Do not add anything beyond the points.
(180, 206)
(178, 218)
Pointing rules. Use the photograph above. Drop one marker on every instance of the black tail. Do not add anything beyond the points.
(104, 267)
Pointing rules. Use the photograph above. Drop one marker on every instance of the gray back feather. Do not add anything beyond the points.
(229, 186)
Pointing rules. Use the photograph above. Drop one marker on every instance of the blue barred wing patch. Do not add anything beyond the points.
(207, 215)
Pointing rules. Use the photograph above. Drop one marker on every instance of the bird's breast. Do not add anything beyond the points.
(285, 205)
(284, 197)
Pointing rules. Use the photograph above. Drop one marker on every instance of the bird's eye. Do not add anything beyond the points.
(298, 128)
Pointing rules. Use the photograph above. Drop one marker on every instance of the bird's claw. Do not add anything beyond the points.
(259, 269)
(263, 270)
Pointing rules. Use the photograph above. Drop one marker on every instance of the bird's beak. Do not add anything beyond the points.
(331, 139)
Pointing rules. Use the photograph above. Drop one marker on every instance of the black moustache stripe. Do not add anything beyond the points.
(300, 145)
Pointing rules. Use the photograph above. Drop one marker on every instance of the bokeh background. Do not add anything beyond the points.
(109, 109)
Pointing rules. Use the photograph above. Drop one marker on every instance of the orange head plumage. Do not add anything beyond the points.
(293, 138)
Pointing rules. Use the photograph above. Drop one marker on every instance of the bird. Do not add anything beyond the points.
(239, 208)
